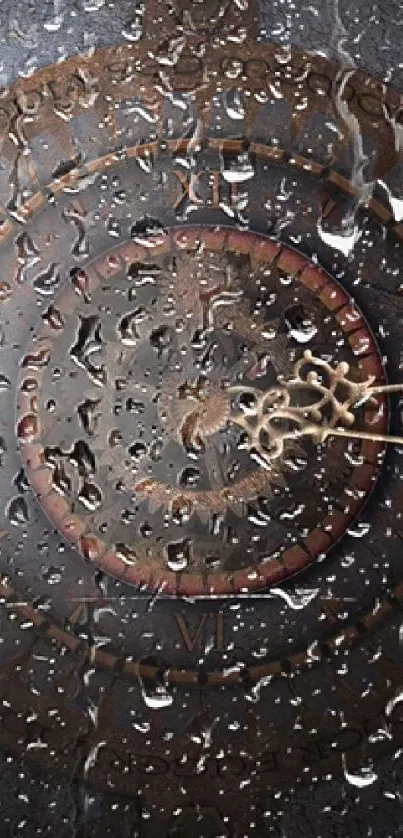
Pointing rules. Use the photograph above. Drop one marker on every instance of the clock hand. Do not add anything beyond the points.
(271, 418)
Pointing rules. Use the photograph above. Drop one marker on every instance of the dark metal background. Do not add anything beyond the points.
(33, 803)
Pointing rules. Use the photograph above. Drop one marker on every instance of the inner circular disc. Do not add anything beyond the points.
(167, 408)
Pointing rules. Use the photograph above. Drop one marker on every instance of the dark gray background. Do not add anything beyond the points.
(363, 34)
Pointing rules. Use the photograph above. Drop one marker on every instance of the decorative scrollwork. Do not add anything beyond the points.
(317, 402)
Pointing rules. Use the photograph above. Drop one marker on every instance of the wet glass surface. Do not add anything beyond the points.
(200, 419)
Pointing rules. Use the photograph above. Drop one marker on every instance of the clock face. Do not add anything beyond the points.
(182, 464)
(200, 430)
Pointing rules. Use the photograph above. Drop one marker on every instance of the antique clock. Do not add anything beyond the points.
(201, 441)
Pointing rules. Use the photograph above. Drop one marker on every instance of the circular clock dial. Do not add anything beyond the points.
(201, 309)
(183, 460)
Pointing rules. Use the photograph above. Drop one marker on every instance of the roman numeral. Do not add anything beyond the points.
(196, 637)
(217, 190)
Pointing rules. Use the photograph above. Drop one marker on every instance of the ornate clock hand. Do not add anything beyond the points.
(271, 419)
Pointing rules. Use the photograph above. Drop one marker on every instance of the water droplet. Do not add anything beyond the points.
(89, 547)
(125, 554)
(247, 402)
(93, 5)
(80, 282)
(87, 414)
(3, 450)
(396, 699)
(304, 334)
(161, 339)
(82, 457)
(158, 699)
(137, 450)
(5, 291)
(61, 480)
(238, 170)
(297, 600)
(364, 778)
(54, 318)
(143, 273)
(234, 105)
(145, 529)
(144, 229)
(215, 523)
(90, 496)
(53, 24)
(48, 281)
(181, 510)
(36, 361)
(27, 428)
(5, 383)
(17, 511)
(134, 406)
(190, 476)
(128, 323)
(360, 529)
(52, 575)
(344, 240)
(178, 555)
(21, 482)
